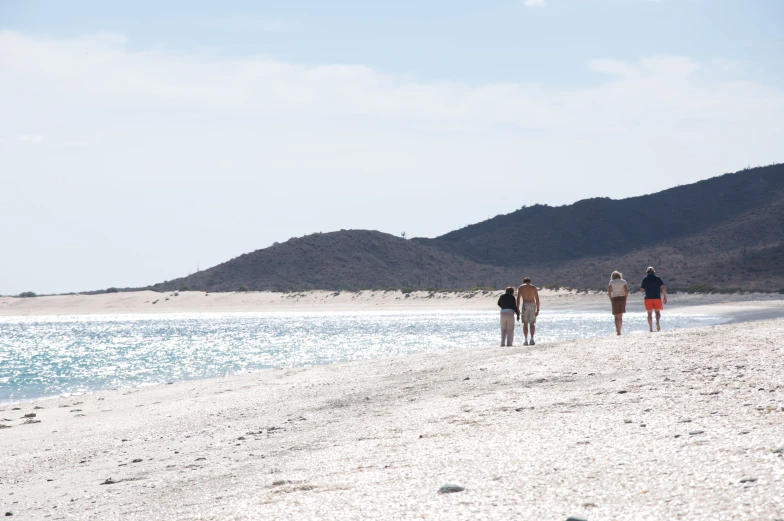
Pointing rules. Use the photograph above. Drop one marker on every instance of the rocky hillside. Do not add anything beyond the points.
(349, 259)
(724, 232)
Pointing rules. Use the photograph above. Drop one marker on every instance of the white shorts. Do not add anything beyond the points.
(528, 313)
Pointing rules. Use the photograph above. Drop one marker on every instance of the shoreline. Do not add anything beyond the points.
(198, 302)
(728, 312)
(665, 426)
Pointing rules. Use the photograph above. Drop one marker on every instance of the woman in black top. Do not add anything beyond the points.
(509, 309)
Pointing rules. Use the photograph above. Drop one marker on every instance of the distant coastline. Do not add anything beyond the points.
(252, 301)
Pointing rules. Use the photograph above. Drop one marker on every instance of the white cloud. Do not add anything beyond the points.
(664, 66)
(202, 156)
(31, 138)
(534, 3)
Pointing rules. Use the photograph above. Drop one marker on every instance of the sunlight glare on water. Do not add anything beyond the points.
(57, 355)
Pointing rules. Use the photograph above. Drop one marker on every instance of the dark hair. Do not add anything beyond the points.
(527, 280)
(510, 290)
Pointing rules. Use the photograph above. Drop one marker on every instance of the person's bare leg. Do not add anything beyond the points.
(658, 317)
(620, 323)
(525, 330)
(617, 327)
(533, 330)
(650, 320)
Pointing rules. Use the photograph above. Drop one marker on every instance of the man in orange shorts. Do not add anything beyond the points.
(655, 296)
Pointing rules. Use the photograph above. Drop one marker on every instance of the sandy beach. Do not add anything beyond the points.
(199, 302)
(684, 424)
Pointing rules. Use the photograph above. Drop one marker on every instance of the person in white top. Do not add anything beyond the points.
(618, 291)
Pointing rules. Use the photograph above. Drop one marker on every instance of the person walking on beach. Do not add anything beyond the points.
(530, 309)
(509, 309)
(618, 291)
(655, 296)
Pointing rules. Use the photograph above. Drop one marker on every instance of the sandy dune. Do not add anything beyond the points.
(679, 425)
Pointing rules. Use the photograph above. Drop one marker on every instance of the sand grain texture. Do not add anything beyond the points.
(598, 429)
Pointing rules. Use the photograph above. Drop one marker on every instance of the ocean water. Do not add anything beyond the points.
(61, 355)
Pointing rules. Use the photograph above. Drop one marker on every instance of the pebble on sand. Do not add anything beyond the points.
(449, 488)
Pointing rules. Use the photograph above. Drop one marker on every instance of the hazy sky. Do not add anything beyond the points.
(142, 139)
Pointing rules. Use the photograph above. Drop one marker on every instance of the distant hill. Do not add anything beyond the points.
(349, 259)
(724, 232)
(727, 231)
(597, 227)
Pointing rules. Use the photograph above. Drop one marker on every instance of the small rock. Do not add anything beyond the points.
(137, 460)
(466, 378)
(622, 391)
(685, 420)
(627, 421)
(572, 518)
(29, 415)
(201, 459)
(694, 433)
(748, 480)
(744, 432)
(109, 481)
(9, 514)
(778, 450)
(448, 489)
(676, 435)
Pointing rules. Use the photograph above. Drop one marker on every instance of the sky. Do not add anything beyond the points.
(141, 141)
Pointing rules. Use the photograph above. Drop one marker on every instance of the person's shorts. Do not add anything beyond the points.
(653, 303)
(528, 313)
(618, 305)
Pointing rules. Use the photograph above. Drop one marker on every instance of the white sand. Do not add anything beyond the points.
(195, 301)
(537, 433)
